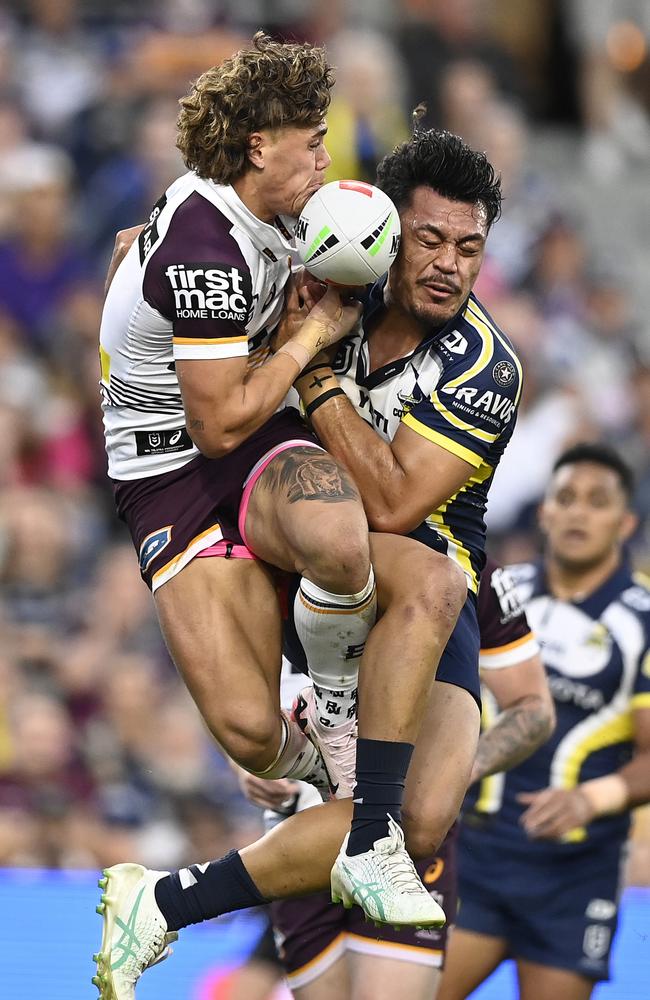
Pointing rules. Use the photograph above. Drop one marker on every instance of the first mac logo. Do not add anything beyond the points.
(209, 291)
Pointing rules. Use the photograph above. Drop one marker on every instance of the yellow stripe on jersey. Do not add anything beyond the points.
(484, 357)
(210, 340)
(641, 700)
(458, 422)
(105, 364)
(456, 550)
(481, 317)
(616, 730)
(447, 443)
(490, 788)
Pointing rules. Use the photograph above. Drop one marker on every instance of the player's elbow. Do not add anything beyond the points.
(390, 520)
(215, 442)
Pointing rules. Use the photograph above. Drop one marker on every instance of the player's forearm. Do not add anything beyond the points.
(516, 734)
(378, 476)
(219, 425)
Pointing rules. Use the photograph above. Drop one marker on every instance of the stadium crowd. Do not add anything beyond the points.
(102, 754)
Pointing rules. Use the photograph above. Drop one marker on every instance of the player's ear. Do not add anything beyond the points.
(255, 149)
(629, 525)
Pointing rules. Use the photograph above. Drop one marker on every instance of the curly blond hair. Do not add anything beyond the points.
(265, 87)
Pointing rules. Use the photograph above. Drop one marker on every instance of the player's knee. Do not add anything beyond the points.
(424, 832)
(252, 742)
(339, 557)
(435, 593)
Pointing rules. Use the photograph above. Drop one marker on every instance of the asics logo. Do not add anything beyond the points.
(129, 938)
(363, 891)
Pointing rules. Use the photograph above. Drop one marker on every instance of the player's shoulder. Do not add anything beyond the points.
(482, 375)
(491, 351)
(198, 228)
(526, 577)
(636, 596)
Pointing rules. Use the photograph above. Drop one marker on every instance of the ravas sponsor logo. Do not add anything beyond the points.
(210, 291)
(487, 401)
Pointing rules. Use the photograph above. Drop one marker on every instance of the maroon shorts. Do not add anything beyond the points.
(314, 932)
(201, 507)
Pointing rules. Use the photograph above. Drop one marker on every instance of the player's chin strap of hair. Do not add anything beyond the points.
(605, 795)
(317, 389)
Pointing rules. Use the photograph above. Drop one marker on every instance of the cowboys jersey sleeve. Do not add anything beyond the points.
(460, 389)
(204, 280)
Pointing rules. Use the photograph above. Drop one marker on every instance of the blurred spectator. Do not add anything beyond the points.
(56, 66)
(39, 263)
(613, 42)
(366, 117)
(434, 33)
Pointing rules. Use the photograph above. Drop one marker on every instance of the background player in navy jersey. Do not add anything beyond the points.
(331, 952)
(460, 380)
(541, 856)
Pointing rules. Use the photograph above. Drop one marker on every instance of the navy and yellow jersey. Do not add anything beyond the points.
(459, 388)
(597, 658)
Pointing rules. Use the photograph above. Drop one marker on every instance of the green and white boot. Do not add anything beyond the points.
(135, 934)
(385, 884)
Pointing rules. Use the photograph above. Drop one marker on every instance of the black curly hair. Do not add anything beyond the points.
(442, 161)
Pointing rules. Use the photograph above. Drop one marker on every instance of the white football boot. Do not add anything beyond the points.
(385, 884)
(135, 934)
(337, 744)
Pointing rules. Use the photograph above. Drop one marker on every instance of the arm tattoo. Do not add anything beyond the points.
(518, 732)
(196, 425)
(308, 474)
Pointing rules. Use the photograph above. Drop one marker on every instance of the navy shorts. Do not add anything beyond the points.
(559, 910)
(175, 516)
(313, 932)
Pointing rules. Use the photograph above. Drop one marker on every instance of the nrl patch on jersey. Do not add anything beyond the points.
(210, 291)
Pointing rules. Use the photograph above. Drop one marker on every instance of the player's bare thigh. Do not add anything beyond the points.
(334, 982)
(221, 621)
(542, 982)
(470, 959)
(305, 515)
(377, 978)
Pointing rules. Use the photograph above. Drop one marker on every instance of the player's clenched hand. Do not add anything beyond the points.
(268, 794)
(123, 241)
(295, 312)
(335, 314)
(552, 812)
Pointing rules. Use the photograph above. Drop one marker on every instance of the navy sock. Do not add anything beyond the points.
(379, 790)
(200, 892)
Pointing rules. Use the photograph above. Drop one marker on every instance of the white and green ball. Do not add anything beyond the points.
(348, 233)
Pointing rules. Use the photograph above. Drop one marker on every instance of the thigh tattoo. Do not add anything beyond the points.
(308, 474)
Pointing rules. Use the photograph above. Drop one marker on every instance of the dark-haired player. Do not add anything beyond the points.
(541, 852)
(450, 382)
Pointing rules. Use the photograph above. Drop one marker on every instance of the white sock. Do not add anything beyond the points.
(333, 629)
(297, 757)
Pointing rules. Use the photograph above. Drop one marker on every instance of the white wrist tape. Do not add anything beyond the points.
(608, 794)
(298, 353)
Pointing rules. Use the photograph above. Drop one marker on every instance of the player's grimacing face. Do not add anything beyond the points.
(295, 161)
(440, 255)
(585, 515)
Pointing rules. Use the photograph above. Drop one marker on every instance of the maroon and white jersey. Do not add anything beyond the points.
(204, 280)
(506, 638)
